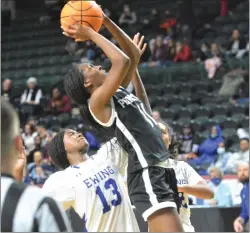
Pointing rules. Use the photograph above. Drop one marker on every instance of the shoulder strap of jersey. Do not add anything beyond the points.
(112, 118)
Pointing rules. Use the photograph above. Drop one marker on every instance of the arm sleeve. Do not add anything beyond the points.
(50, 217)
(192, 176)
(244, 211)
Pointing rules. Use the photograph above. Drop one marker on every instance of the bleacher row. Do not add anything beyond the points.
(224, 25)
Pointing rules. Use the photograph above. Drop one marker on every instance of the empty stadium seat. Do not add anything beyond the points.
(230, 124)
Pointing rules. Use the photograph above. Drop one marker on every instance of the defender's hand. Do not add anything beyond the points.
(138, 40)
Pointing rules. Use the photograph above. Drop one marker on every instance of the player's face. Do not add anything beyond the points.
(75, 142)
(93, 75)
(243, 172)
(165, 135)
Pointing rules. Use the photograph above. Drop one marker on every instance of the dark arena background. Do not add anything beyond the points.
(196, 74)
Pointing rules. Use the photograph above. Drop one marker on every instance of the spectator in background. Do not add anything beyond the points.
(7, 90)
(183, 52)
(156, 115)
(159, 52)
(39, 177)
(171, 50)
(127, 17)
(38, 162)
(242, 97)
(203, 52)
(38, 147)
(71, 47)
(30, 99)
(169, 21)
(238, 157)
(59, 103)
(242, 222)
(223, 7)
(208, 149)
(189, 143)
(215, 51)
(28, 137)
(232, 82)
(222, 159)
(236, 45)
(223, 196)
(213, 62)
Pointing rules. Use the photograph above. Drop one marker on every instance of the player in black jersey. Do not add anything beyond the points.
(107, 107)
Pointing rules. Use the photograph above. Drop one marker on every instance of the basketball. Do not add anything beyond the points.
(87, 13)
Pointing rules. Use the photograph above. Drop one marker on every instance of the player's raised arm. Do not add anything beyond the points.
(127, 46)
(137, 82)
(120, 65)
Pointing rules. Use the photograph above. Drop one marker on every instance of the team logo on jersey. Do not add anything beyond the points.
(99, 176)
(128, 100)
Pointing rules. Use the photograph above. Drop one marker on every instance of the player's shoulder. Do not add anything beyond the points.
(55, 179)
(183, 165)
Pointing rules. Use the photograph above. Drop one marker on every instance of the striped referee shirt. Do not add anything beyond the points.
(25, 208)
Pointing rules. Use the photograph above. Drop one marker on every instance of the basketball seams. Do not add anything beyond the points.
(92, 5)
(87, 23)
(91, 16)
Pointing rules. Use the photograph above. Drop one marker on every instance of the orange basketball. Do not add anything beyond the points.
(87, 13)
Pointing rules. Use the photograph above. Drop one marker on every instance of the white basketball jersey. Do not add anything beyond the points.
(98, 192)
(185, 174)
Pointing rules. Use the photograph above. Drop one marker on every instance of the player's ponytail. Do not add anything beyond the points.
(74, 87)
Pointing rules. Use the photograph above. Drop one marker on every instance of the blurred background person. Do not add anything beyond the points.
(59, 103)
(242, 222)
(7, 90)
(222, 193)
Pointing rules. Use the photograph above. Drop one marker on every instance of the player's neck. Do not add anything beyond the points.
(77, 158)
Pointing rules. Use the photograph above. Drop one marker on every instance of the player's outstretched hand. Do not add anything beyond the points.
(77, 31)
(139, 41)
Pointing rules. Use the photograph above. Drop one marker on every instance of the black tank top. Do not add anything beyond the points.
(136, 131)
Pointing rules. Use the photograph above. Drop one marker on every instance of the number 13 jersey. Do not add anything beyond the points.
(97, 192)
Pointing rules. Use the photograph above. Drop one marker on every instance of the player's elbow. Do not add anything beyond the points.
(123, 62)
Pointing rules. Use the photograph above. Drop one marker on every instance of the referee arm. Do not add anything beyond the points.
(50, 217)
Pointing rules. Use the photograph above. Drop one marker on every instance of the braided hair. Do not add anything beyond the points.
(57, 152)
(74, 87)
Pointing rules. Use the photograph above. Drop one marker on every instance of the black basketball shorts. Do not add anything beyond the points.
(152, 189)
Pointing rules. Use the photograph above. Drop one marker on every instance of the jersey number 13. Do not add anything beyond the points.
(109, 184)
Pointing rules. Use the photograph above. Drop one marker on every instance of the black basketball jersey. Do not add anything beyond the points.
(136, 131)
